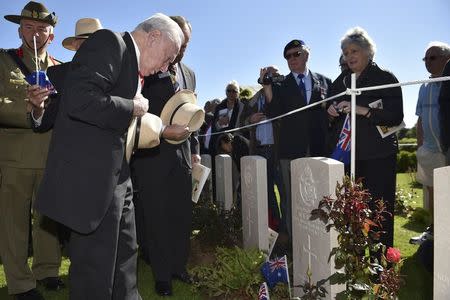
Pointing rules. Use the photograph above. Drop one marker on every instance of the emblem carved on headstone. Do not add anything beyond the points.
(307, 187)
(248, 176)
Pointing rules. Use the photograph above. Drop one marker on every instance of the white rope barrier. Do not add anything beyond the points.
(278, 117)
(386, 86)
(351, 91)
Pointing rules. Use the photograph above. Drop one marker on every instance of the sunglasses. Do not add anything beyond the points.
(431, 57)
(293, 54)
(231, 91)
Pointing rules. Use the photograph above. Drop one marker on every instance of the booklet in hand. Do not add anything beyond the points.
(200, 174)
(385, 130)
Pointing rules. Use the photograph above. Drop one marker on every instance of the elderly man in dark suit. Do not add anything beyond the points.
(163, 179)
(86, 185)
(302, 134)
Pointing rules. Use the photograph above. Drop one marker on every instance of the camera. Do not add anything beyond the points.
(270, 78)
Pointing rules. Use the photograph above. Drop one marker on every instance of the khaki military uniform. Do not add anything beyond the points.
(23, 154)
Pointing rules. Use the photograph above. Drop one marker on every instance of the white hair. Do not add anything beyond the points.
(443, 47)
(233, 83)
(165, 25)
(360, 37)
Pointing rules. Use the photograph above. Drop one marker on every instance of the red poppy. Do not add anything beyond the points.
(393, 255)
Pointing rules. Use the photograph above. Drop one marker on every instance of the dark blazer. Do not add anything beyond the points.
(190, 83)
(369, 144)
(159, 88)
(444, 109)
(56, 75)
(162, 176)
(305, 129)
(87, 148)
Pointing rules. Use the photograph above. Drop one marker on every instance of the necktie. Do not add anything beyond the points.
(173, 75)
(301, 86)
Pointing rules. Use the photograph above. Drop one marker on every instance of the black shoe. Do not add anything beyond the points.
(163, 288)
(30, 295)
(183, 277)
(52, 283)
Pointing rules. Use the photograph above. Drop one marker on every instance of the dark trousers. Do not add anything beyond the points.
(267, 151)
(379, 178)
(104, 262)
(166, 215)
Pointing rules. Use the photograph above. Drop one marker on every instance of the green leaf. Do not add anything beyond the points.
(338, 278)
(342, 295)
(360, 286)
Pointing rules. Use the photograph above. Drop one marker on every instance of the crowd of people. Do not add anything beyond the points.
(127, 206)
(316, 131)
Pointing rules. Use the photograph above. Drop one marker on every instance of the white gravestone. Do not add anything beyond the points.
(206, 161)
(224, 181)
(441, 277)
(254, 203)
(311, 180)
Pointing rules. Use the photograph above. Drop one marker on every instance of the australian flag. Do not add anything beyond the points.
(275, 271)
(263, 293)
(342, 150)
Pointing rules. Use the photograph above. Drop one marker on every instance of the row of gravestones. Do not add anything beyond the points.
(312, 179)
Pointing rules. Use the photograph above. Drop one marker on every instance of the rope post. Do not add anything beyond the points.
(353, 127)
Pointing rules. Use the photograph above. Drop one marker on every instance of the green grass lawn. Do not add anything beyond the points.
(418, 282)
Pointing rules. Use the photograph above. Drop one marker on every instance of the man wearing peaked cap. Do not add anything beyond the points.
(22, 160)
(302, 134)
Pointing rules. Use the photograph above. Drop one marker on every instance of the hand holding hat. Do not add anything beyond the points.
(143, 133)
(176, 132)
(140, 105)
(181, 109)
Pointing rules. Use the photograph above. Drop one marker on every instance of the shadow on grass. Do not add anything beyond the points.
(418, 281)
(419, 220)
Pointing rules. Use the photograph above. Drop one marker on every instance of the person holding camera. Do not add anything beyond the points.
(301, 134)
(262, 140)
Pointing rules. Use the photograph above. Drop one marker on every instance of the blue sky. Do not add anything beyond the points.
(232, 39)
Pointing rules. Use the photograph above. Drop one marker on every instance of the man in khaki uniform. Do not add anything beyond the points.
(22, 160)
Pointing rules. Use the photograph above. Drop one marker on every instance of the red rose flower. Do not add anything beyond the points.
(393, 255)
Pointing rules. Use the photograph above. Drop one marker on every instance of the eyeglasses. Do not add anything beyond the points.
(431, 57)
(231, 91)
(293, 54)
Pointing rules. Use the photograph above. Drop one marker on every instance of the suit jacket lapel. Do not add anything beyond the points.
(315, 88)
(186, 77)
